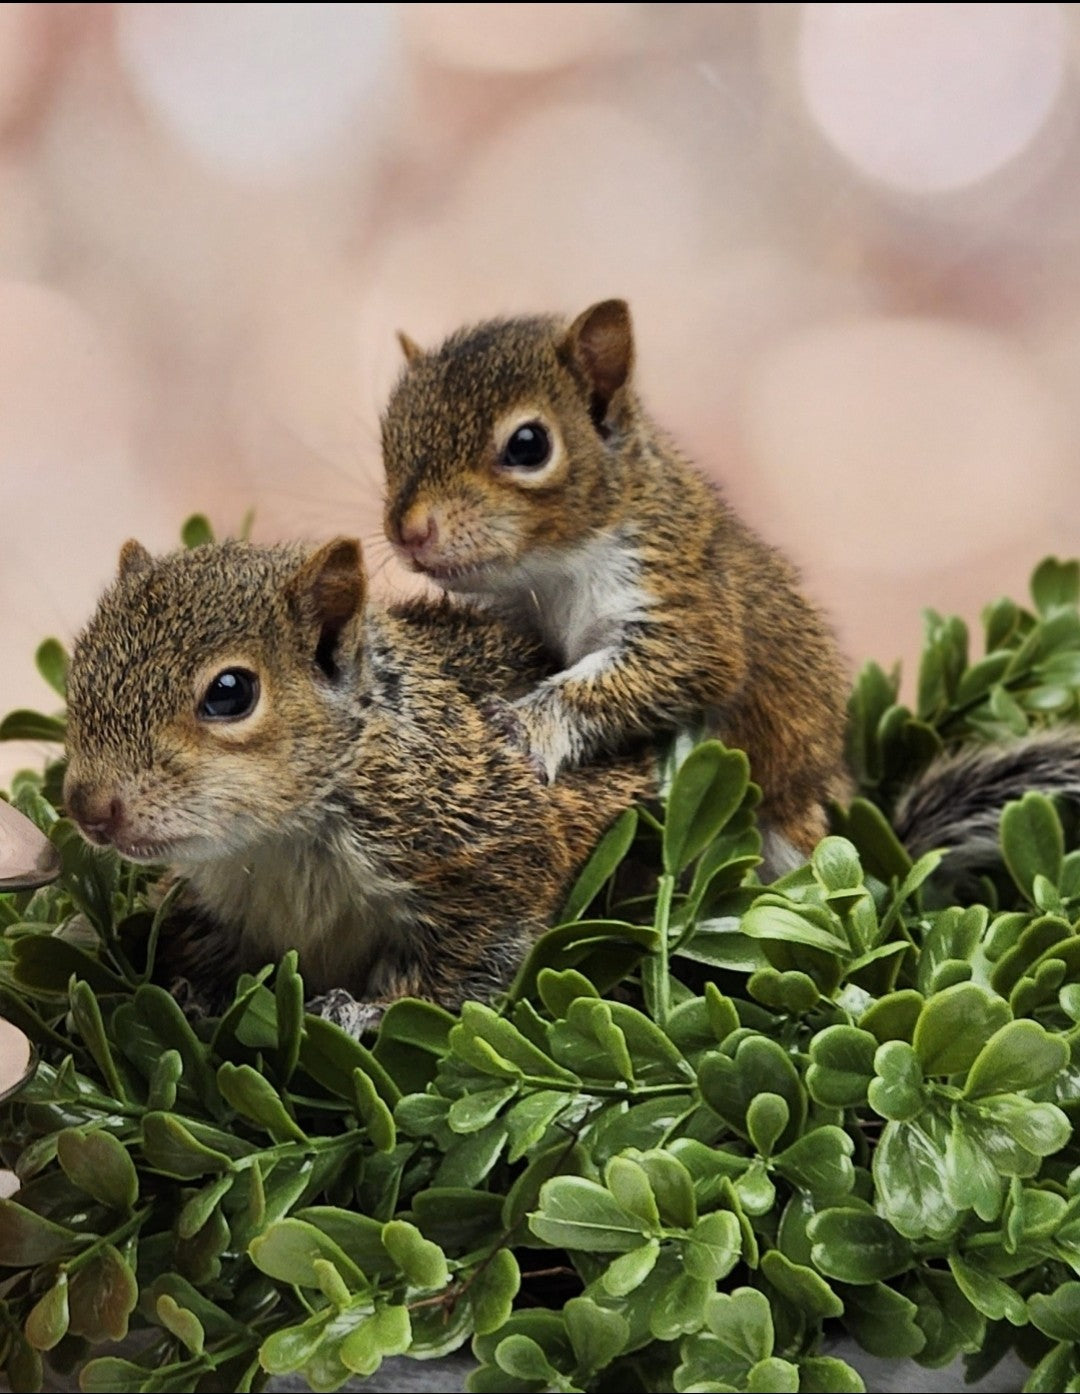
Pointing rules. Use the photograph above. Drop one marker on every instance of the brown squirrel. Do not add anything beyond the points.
(323, 774)
(524, 473)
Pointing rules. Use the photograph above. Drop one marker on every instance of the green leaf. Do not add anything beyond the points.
(373, 1112)
(183, 1323)
(988, 1294)
(597, 1334)
(108, 1375)
(196, 531)
(713, 1247)
(672, 1186)
(1055, 585)
(198, 1210)
(1021, 1055)
(1057, 1314)
(529, 1119)
(897, 1091)
(954, 1025)
(742, 1321)
(909, 1163)
(824, 1374)
(1037, 1128)
(492, 1291)
(893, 1017)
(773, 1376)
(252, 1095)
(766, 1118)
(472, 1112)
(629, 1270)
(291, 1347)
(883, 1321)
(972, 1181)
(100, 1165)
(708, 787)
(521, 1357)
(945, 1316)
(52, 663)
(630, 1185)
(288, 1249)
(856, 1246)
(416, 1023)
(173, 1149)
(803, 1288)
(47, 1322)
(655, 1058)
(601, 866)
(836, 865)
(819, 1162)
(102, 1296)
(880, 850)
(776, 922)
(560, 990)
(576, 1213)
(1032, 841)
(512, 1051)
(32, 726)
(422, 1262)
(841, 1066)
(27, 1239)
(329, 1055)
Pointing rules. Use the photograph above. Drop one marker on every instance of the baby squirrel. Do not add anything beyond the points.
(523, 472)
(322, 773)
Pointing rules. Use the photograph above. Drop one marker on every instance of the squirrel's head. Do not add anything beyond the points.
(504, 439)
(201, 694)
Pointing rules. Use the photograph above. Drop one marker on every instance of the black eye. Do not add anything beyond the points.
(528, 448)
(230, 695)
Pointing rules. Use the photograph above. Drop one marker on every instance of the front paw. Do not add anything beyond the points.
(343, 1009)
(195, 1005)
(549, 740)
(509, 722)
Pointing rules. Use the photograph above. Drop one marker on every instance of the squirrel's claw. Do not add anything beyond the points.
(509, 723)
(342, 1008)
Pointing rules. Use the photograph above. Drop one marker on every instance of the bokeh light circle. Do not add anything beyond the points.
(930, 98)
(254, 88)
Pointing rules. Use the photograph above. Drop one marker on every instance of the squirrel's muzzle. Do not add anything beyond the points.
(99, 812)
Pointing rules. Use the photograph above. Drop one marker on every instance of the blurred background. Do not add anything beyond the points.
(849, 233)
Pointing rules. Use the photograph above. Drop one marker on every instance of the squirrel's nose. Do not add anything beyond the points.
(98, 812)
(418, 529)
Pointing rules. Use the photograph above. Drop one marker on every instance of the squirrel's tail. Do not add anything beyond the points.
(956, 803)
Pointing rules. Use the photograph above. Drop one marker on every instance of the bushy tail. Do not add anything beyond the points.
(956, 803)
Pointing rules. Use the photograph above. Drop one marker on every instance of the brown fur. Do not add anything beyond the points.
(720, 626)
(367, 812)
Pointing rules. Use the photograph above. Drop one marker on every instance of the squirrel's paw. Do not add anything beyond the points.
(343, 1009)
(507, 720)
(189, 999)
(550, 736)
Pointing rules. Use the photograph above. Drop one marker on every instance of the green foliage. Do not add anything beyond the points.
(703, 1122)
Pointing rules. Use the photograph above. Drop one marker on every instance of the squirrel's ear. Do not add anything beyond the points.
(600, 343)
(133, 558)
(409, 347)
(329, 590)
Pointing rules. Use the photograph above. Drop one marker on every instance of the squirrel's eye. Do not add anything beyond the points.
(232, 694)
(528, 448)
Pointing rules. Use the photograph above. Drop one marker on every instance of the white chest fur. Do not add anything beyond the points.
(580, 598)
(325, 899)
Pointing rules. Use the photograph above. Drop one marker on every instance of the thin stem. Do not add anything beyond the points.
(85, 1255)
(155, 927)
(656, 968)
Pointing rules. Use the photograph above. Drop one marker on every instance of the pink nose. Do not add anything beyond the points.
(418, 529)
(98, 813)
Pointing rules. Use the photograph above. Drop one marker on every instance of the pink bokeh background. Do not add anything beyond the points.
(849, 233)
